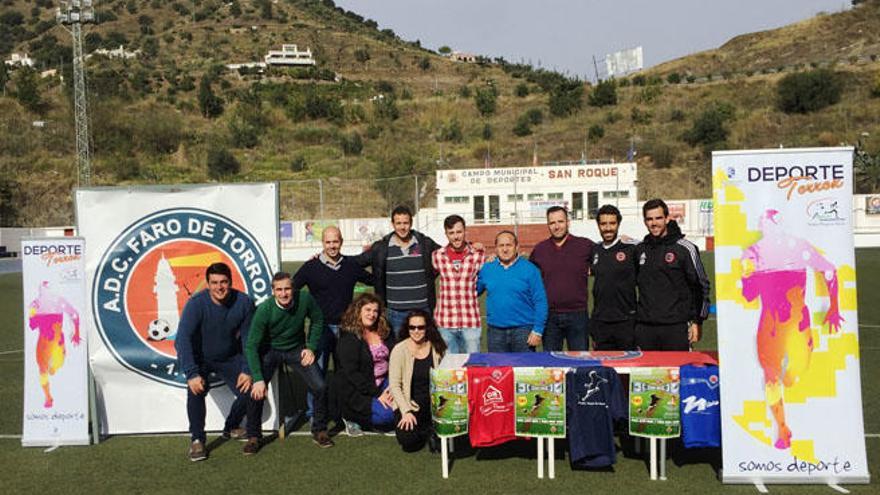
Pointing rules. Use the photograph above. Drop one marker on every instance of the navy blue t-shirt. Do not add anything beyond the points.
(594, 401)
(700, 406)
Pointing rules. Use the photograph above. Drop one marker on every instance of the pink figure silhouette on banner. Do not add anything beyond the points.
(775, 269)
(46, 313)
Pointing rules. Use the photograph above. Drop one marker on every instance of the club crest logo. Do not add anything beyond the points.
(620, 256)
(150, 271)
(670, 257)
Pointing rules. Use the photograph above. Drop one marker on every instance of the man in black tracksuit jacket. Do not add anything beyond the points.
(672, 283)
(614, 286)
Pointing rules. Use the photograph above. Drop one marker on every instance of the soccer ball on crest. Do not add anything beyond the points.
(158, 330)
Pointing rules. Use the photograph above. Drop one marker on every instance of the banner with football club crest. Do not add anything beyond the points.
(539, 395)
(148, 248)
(788, 326)
(56, 409)
(654, 402)
(449, 401)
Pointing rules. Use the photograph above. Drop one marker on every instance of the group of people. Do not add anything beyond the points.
(384, 344)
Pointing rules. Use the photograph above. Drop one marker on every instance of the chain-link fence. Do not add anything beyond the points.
(334, 198)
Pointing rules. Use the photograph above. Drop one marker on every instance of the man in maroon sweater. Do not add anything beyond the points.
(564, 260)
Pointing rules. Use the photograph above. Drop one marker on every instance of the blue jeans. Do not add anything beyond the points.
(397, 317)
(326, 348)
(512, 339)
(566, 326)
(382, 417)
(243, 404)
(310, 374)
(462, 340)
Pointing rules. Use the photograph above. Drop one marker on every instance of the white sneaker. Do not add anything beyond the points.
(352, 429)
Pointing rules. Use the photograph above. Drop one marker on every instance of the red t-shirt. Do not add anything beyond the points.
(490, 400)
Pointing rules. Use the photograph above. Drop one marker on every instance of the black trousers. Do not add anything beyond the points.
(613, 336)
(413, 440)
(671, 337)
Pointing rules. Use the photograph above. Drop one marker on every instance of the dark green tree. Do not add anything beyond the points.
(565, 98)
(27, 89)
(210, 104)
(486, 98)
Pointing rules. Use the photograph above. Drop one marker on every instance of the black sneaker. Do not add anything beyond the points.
(235, 434)
(322, 439)
(197, 451)
(251, 447)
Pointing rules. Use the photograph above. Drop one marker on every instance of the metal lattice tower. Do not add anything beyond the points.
(75, 13)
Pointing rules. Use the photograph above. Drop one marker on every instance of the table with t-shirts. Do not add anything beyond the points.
(586, 386)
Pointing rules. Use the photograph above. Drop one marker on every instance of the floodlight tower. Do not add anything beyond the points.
(75, 13)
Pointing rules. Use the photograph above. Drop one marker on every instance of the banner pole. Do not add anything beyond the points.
(653, 458)
(93, 408)
(444, 455)
(551, 456)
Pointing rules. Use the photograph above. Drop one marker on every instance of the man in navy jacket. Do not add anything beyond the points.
(210, 339)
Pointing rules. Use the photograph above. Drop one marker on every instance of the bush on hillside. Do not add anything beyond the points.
(804, 92)
(565, 98)
(709, 128)
(604, 94)
(595, 133)
(222, 163)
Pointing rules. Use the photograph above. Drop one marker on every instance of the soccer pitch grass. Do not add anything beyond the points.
(369, 464)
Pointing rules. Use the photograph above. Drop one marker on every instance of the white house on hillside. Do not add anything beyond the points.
(290, 55)
(17, 59)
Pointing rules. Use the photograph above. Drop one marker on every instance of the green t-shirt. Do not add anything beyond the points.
(283, 329)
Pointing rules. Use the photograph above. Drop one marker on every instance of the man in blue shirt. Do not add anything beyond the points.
(210, 339)
(516, 304)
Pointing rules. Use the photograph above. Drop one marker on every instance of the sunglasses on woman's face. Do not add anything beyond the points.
(417, 327)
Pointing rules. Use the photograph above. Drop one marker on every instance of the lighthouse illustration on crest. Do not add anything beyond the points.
(164, 327)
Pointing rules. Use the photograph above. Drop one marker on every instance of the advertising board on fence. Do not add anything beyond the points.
(148, 249)
(653, 402)
(56, 409)
(787, 318)
(539, 395)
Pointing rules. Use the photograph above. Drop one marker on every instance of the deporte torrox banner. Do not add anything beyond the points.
(56, 408)
(148, 249)
(787, 319)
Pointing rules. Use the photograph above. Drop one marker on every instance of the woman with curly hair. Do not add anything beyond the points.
(420, 348)
(360, 384)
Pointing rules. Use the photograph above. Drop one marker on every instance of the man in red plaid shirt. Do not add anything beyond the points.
(458, 309)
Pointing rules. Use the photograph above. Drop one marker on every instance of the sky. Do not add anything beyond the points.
(565, 35)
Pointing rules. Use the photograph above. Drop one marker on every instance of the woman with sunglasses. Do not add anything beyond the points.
(420, 348)
(359, 391)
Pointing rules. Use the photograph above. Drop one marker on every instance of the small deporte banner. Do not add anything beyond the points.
(449, 401)
(653, 402)
(56, 409)
(148, 251)
(539, 395)
(785, 278)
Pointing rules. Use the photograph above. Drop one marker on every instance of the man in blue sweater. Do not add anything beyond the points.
(516, 304)
(210, 338)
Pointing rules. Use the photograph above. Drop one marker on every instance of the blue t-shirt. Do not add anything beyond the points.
(700, 406)
(593, 402)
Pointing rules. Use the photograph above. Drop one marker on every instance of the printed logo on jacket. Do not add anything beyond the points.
(149, 272)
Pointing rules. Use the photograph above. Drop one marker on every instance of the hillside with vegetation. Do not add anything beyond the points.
(376, 107)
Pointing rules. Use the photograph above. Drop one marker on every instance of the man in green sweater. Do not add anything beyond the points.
(278, 336)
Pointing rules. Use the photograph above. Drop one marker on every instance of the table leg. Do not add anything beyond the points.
(444, 454)
(663, 459)
(653, 458)
(540, 458)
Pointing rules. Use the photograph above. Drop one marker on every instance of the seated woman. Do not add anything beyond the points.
(360, 394)
(420, 348)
